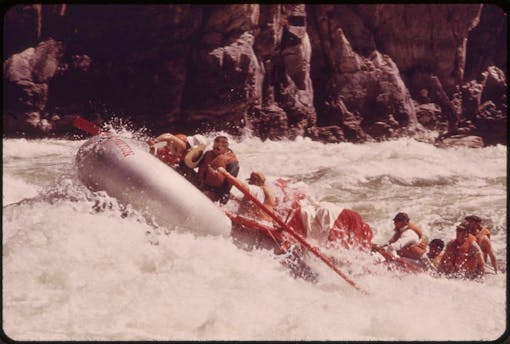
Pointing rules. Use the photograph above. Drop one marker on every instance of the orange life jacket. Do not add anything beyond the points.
(165, 155)
(168, 157)
(463, 249)
(460, 258)
(413, 251)
(222, 160)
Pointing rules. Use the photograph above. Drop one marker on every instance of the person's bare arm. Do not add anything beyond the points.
(176, 143)
(481, 264)
(487, 248)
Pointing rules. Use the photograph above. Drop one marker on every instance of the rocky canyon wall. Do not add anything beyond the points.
(331, 72)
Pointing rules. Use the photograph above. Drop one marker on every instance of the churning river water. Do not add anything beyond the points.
(71, 272)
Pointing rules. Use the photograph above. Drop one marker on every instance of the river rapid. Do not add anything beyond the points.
(71, 272)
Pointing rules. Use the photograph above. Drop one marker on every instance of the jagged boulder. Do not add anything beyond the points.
(462, 140)
(328, 134)
(284, 47)
(429, 115)
(269, 122)
(369, 86)
(485, 108)
(227, 78)
(26, 77)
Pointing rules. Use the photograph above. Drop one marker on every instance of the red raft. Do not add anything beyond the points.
(293, 232)
(344, 228)
(340, 228)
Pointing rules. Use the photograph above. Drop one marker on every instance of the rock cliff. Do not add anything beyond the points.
(331, 72)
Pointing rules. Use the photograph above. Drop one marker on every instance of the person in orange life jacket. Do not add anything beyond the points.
(211, 181)
(433, 257)
(407, 242)
(257, 188)
(482, 236)
(175, 151)
(462, 256)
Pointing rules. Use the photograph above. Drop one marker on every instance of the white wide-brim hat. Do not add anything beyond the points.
(193, 157)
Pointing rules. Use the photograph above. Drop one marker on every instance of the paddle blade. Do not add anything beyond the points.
(87, 126)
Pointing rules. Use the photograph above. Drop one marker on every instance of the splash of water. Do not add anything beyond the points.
(79, 266)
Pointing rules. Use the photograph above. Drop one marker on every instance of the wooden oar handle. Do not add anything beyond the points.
(391, 258)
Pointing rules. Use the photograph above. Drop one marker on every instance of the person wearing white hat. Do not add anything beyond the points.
(407, 241)
(257, 188)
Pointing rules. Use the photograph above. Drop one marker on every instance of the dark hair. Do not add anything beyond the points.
(461, 227)
(401, 217)
(437, 242)
(473, 218)
(221, 137)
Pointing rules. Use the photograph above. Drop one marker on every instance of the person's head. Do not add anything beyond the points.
(462, 232)
(435, 247)
(401, 220)
(257, 178)
(473, 222)
(220, 145)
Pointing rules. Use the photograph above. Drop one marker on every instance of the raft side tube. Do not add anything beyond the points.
(133, 176)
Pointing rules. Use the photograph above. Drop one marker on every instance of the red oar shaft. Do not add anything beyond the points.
(86, 126)
(285, 227)
(390, 258)
(252, 224)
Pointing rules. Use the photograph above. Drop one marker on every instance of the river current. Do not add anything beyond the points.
(71, 272)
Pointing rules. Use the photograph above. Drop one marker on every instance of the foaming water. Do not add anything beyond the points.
(79, 266)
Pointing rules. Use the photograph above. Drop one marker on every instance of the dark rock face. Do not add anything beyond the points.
(485, 110)
(487, 43)
(331, 72)
(26, 77)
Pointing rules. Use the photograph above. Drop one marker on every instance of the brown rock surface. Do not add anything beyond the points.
(331, 71)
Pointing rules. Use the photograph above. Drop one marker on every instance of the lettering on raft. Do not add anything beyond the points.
(124, 148)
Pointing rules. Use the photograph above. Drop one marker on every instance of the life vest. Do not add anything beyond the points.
(168, 157)
(250, 209)
(413, 251)
(461, 258)
(222, 160)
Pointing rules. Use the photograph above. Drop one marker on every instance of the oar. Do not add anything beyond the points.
(286, 228)
(86, 126)
(390, 258)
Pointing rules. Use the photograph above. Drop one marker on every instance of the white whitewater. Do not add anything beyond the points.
(77, 266)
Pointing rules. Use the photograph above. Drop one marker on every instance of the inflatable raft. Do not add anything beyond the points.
(133, 176)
